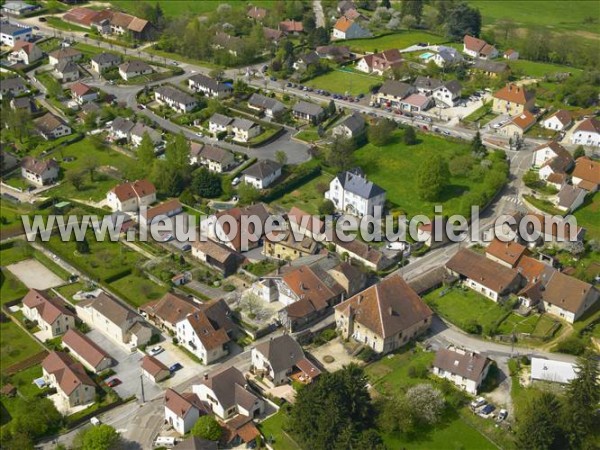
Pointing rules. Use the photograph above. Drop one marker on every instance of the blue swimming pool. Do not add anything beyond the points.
(426, 55)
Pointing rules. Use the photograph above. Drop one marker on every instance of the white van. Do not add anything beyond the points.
(165, 441)
(95, 421)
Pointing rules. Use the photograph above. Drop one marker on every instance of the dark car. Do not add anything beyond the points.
(175, 367)
(114, 382)
(43, 19)
(487, 409)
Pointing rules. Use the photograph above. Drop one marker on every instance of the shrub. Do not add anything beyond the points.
(366, 354)
(572, 345)
(328, 335)
(472, 327)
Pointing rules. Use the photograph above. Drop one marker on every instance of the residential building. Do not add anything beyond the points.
(513, 100)
(215, 159)
(378, 63)
(464, 368)
(569, 198)
(549, 151)
(447, 56)
(134, 68)
(478, 48)
(587, 133)
(131, 196)
(285, 247)
(136, 135)
(51, 126)
(337, 53)
(218, 227)
(196, 443)
(209, 86)
(154, 370)
(39, 172)
(168, 311)
(586, 174)
(385, 316)
(475, 271)
(270, 107)
(308, 112)
(558, 121)
(391, 93)
(25, 52)
(217, 256)
(305, 224)
(416, 103)
(72, 383)
(244, 130)
(491, 69)
(518, 125)
(182, 411)
(8, 160)
(227, 394)
(345, 28)
(256, 13)
(114, 320)
(51, 314)
(11, 33)
(207, 332)
(66, 71)
(262, 174)
(281, 359)
(272, 35)
(11, 87)
(351, 127)
(26, 103)
(219, 123)
(511, 54)
(104, 61)
(90, 354)
(224, 41)
(159, 213)
(175, 99)
(362, 253)
(506, 253)
(426, 85)
(291, 27)
(19, 8)
(305, 61)
(64, 54)
(554, 230)
(352, 193)
(345, 5)
(82, 93)
(448, 94)
(553, 170)
(120, 129)
(350, 277)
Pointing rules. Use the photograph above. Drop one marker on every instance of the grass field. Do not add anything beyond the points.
(11, 288)
(138, 290)
(15, 344)
(273, 428)
(172, 8)
(307, 197)
(395, 162)
(539, 70)
(588, 216)
(60, 24)
(344, 82)
(536, 325)
(397, 40)
(464, 306)
(308, 135)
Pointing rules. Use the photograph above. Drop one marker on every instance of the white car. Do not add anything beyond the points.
(200, 134)
(95, 421)
(502, 415)
(156, 350)
(235, 181)
(478, 402)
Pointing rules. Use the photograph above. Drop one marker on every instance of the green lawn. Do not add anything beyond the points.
(539, 70)
(544, 205)
(138, 290)
(462, 306)
(307, 197)
(11, 288)
(588, 216)
(15, 344)
(60, 24)
(308, 135)
(18, 252)
(344, 82)
(172, 8)
(68, 290)
(272, 428)
(397, 40)
(23, 381)
(537, 325)
(394, 167)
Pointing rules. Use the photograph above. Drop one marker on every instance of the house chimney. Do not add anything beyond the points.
(205, 376)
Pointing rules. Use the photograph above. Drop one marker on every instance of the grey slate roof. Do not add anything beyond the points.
(210, 83)
(134, 66)
(242, 124)
(448, 53)
(308, 108)
(427, 83)
(11, 29)
(453, 86)
(122, 124)
(396, 88)
(490, 66)
(65, 66)
(220, 119)
(355, 123)
(216, 154)
(310, 58)
(354, 181)
(140, 129)
(175, 95)
(282, 352)
(262, 169)
(106, 58)
(568, 194)
(264, 102)
(14, 83)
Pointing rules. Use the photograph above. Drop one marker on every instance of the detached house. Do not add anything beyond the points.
(167, 312)
(227, 394)
(64, 54)
(82, 93)
(217, 256)
(491, 69)
(569, 198)
(553, 161)
(352, 193)
(244, 130)
(308, 112)
(218, 227)
(558, 121)
(291, 27)
(586, 174)
(448, 94)
(207, 332)
(269, 106)
(478, 48)
(219, 123)
(465, 369)
(182, 411)
(209, 86)
(51, 314)
(104, 61)
(129, 197)
(513, 100)
(378, 63)
(66, 71)
(91, 355)
(262, 174)
(385, 316)
(351, 127)
(306, 60)
(11, 87)
(136, 135)
(72, 383)
(215, 159)
(447, 56)
(587, 133)
(11, 33)
(392, 92)
(134, 68)
(25, 52)
(175, 99)
(345, 28)
(281, 359)
(518, 125)
(120, 128)
(39, 172)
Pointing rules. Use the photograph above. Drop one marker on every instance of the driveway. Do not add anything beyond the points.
(127, 369)
(171, 355)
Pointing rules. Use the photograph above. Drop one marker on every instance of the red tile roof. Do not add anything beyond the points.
(514, 94)
(69, 374)
(509, 252)
(84, 347)
(48, 308)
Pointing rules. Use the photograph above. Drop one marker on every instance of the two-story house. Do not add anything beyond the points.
(270, 107)
(209, 86)
(346, 28)
(51, 314)
(175, 99)
(244, 130)
(72, 383)
(51, 127)
(39, 172)
(104, 61)
(262, 174)
(130, 196)
(308, 112)
(587, 132)
(352, 193)
(513, 100)
(465, 369)
(182, 411)
(478, 48)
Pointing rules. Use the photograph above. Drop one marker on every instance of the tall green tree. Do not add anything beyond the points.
(432, 178)
(410, 136)
(207, 427)
(462, 19)
(206, 183)
(145, 153)
(539, 423)
(248, 194)
(412, 8)
(100, 437)
(381, 132)
(340, 153)
(177, 154)
(477, 146)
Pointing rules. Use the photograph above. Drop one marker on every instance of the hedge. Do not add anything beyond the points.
(302, 176)
(117, 276)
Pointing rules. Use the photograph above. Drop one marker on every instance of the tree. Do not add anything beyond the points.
(167, 178)
(531, 179)
(462, 19)
(432, 178)
(426, 402)
(90, 165)
(100, 437)
(75, 178)
(579, 152)
(331, 108)
(207, 427)
(410, 136)
(83, 246)
(340, 153)
(281, 157)
(380, 133)
(386, 4)
(539, 423)
(581, 402)
(395, 415)
(206, 183)
(412, 8)
(145, 153)
(326, 208)
(248, 194)
(477, 146)
(309, 22)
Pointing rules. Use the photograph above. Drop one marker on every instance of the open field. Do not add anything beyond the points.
(344, 82)
(35, 275)
(11, 288)
(138, 290)
(397, 40)
(464, 306)
(15, 344)
(60, 24)
(172, 8)
(537, 325)
(273, 428)
(588, 216)
(307, 197)
(539, 69)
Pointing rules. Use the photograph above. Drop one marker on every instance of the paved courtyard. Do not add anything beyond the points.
(34, 275)
(334, 349)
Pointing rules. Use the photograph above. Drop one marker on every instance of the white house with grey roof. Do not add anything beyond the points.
(175, 99)
(66, 71)
(121, 128)
(262, 174)
(447, 56)
(352, 193)
(12, 87)
(448, 94)
(351, 127)
(219, 123)
(216, 159)
(392, 92)
(134, 68)
(243, 129)
(104, 61)
(267, 105)
(209, 86)
(139, 130)
(308, 112)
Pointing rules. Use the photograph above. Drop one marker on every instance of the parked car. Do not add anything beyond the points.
(502, 415)
(478, 402)
(156, 350)
(95, 421)
(175, 367)
(235, 181)
(114, 382)
(487, 410)
(43, 19)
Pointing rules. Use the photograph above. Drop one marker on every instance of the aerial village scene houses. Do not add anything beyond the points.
(219, 149)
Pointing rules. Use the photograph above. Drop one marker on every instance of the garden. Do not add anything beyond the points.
(345, 81)
(307, 197)
(399, 40)
(588, 216)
